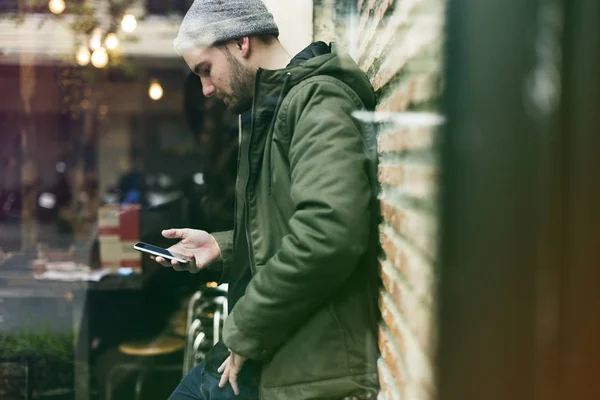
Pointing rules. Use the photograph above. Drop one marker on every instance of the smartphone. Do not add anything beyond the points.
(159, 251)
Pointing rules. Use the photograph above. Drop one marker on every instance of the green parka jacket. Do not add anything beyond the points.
(310, 311)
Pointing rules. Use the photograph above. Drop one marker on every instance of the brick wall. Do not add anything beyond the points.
(324, 20)
(399, 46)
(398, 43)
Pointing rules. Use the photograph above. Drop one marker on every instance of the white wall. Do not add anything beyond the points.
(295, 21)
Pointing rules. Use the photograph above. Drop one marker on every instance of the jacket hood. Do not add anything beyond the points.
(322, 59)
(272, 86)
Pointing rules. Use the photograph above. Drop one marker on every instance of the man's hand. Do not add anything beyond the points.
(231, 369)
(199, 246)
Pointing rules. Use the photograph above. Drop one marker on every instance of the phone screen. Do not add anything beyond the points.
(159, 251)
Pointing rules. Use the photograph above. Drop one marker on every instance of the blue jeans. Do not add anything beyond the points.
(199, 384)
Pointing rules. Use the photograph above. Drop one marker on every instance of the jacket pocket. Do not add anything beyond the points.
(315, 352)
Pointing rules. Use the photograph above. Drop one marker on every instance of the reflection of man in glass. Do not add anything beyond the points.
(216, 131)
(301, 261)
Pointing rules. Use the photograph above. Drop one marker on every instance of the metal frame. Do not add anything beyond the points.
(27, 363)
(194, 325)
(518, 265)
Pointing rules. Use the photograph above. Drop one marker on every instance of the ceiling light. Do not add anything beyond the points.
(155, 91)
(100, 58)
(129, 23)
(83, 56)
(56, 6)
(111, 41)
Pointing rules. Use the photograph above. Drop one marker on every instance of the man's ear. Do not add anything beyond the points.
(244, 46)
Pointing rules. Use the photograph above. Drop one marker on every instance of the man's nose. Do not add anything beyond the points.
(208, 90)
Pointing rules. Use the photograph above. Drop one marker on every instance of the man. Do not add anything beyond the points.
(301, 260)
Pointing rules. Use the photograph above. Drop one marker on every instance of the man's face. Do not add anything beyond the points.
(223, 76)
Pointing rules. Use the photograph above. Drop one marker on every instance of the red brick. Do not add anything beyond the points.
(389, 318)
(386, 385)
(382, 381)
(388, 282)
(391, 174)
(419, 38)
(399, 139)
(370, 28)
(417, 315)
(392, 215)
(417, 271)
(415, 228)
(416, 180)
(406, 41)
(415, 89)
(389, 33)
(366, 17)
(397, 256)
(388, 247)
(400, 99)
(421, 181)
(392, 288)
(408, 303)
(391, 357)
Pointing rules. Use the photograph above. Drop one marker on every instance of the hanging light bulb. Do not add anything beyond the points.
(128, 23)
(155, 91)
(100, 58)
(83, 56)
(56, 6)
(111, 41)
(96, 39)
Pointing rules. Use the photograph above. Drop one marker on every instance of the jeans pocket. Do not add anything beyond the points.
(211, 390)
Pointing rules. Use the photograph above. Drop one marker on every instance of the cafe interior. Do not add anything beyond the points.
(105, 140)
(486, 118)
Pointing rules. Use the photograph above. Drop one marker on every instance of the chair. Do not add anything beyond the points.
(194, 332)
(147, 351)
(207, 311)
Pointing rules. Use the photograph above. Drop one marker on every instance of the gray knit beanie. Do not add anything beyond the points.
(210, 21)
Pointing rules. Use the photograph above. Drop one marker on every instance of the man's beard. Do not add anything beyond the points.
(242, 86)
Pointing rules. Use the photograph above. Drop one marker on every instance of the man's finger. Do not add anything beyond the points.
(177, 267)
(196, 263)
(175, 233)
(233, 380)
(162, 261)
(224, 377)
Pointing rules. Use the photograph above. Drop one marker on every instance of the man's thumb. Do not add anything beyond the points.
(174, 233)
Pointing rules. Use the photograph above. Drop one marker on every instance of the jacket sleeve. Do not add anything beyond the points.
(221, 267)
(329, 228)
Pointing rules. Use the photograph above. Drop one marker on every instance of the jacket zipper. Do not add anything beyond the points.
(288, 76)
(237, 178)
(246, 208)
